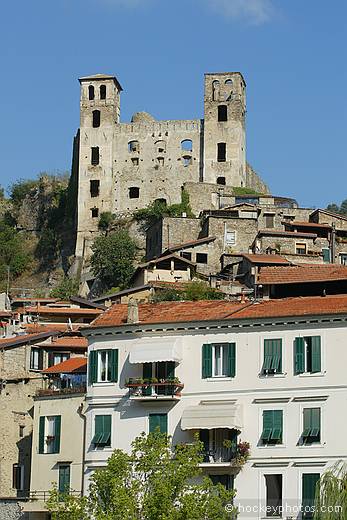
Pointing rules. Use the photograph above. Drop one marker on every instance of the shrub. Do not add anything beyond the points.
(65, 289)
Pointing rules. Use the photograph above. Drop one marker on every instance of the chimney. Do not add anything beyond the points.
(133, 311)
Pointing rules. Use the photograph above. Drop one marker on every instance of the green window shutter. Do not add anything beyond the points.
(277, 426)
(316, 354)
(268, 355)
(147, 370)
(113, 360)
(98, 428)
(163, 423)
(42, 435)
(326, 255)
(315, 422)
(299, 356)
(277, 355)
(93, 367)
(231, 360)
(307, 423)
(105, 439)
(267, 425)
(309, 483)
(64, 478)
(206, 361)
(170, 369)
(57, 430)
(158, 420)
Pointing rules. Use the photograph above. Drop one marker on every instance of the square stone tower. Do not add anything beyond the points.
(224, 129)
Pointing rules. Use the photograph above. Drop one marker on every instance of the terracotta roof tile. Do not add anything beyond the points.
(69, 342)
(302, 273)
(75, 365)
(49, 327)
(262, 258)
(296, 223)
(278, 232)
(62, 310)
(174, 312)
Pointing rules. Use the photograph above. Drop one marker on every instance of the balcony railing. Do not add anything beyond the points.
(219, 453)
(42, 392)
(154, 390)
(44, 495)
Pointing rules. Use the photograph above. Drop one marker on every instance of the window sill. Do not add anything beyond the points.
(312, 446)
(313, 374)
(219, 378)
(102, 383)
(269, 446)
(276, 376)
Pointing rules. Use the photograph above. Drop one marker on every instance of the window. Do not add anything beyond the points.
(160, 161)
(54, 358)
(96, 118)
(186, 255)
(221, 181)
(226, 480)
(311, 426)
(64, 478)
(272, 427)
(158, 420)
(135, 161)
(163, 370)
(102, 431)
(230, 238)
(221, 152)
(326, 255)
(269, 220)
(300, 248)
(36, 359)
(307, 355)
(102, 91)
(91, 93)
(222, 113)
(201, 258)
(94, 188)
(160, 146)
(218, 360)
(343, 258)
(95, 156)
(18, 477)
(49, 434)
(309, 484)
(272, 356)
(134, 192)
(95, 212)
(215, 90)
(187, 145)
(187, 160)
(103, 366)
(273, 485)
(133, 146)
(229, 82)
(21, 431)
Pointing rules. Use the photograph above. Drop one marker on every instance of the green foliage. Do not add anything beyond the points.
(158, 209)
(2, 193)
(105, 221)
(66, 506)
(13, 252)
(154, 482)
(65, 289)
(334, 208)
(192, 291)
(113, 258)
(237, 190)
(21, 188)
(331, 494)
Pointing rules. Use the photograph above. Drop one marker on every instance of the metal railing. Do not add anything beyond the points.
(166, 388)
(44, 495)
(219, 453)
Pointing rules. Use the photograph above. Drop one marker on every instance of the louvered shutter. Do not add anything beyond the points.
(299, 356)
(42, 435)
(57, 431)
(93, 367)
(316, 354)
(206, 361)
(113, 357)
(231, 360)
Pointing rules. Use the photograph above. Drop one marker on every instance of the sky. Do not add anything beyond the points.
(292, 54)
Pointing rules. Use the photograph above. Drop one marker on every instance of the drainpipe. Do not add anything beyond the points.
(84, 419)
(333, 244)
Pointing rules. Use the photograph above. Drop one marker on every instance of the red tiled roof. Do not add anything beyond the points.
(22, 339)
(278, 232)
(5, 314)
(69, 343)
(75, 365)
(302, 273)
(174, 312)
(191, 243)
(296, 223)
(262, 259)
(49, 327)
(61, 310)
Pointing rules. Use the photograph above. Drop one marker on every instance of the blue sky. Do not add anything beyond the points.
(291, 52)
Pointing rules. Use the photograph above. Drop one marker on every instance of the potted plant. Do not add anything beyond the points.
(242, 453)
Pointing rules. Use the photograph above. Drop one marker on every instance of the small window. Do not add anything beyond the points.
(272, 357)
(273, 485)
(326, 255)
(104, 366)
(18, 477)
(96, 118)
(343, 258)
(36, 358)
(187, 145)
(49, 434)
(102, 91)
(272, 427)
(229, 82)
(187, 160)
(186, 255)
(134, 192)
(220, 360)
(215, 90)
(269, 220)
(102, 431)
(222, 113)
(201, 258)
(160, 161)
(54, 358)
(221, 152)
(307, 355)
(221, 181)
(21, 431)
(95, 156)
(309, 484)
(135, 161)
(158, 422)
(133, 146)
(160, 147)
(301, 248)
(91, 92)
(230, 238)
(95, 212)
(64, 478)
(311, 425)
(94, 188)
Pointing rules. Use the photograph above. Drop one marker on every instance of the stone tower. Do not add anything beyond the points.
(224, 129)
(99, 113)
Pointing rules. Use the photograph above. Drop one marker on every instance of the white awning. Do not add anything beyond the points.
(208, 416)
(151, 350)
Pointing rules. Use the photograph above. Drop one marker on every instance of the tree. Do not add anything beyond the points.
(156, 481)
(113, 258)
(343, 207)
(333, 208)
(105, 221)
(65, 289)
(13, 251)
(193, 291)
(331, 494)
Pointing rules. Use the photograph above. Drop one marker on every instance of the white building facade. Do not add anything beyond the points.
(270, 374)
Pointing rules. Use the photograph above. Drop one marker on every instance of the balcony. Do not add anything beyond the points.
(225, 455)
(164, 390)
(56, 391)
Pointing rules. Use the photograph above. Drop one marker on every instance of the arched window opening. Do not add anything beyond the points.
(222, 113)
(134, 192)
(187, 160)
(187, 145)
(221, 152)
(221, 180)
(215, 90)
(95, 156)
(133, 146)
(229, 82)
(160, 201)
(228, 90)
(160, 146)
(91, 92)
(102, 91)
(96, 118)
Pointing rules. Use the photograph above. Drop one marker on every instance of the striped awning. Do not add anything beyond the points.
(152, 350)
(208, 416)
